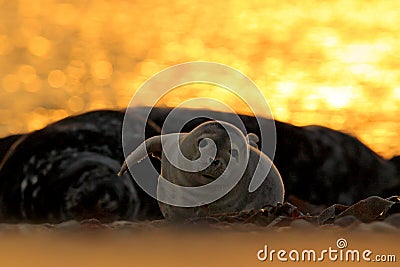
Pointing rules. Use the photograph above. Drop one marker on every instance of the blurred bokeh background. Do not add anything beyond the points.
(334, 63)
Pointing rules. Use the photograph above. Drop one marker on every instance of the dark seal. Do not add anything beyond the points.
(68, 171)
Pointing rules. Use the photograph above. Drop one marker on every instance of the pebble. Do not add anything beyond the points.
(72, 224)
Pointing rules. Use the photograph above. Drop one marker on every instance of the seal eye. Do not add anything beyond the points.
(235, 153)
(202, 143)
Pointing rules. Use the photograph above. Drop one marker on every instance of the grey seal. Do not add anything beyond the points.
(256, 188)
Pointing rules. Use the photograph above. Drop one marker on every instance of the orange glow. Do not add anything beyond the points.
(101, 69)
(331, 63)
(56, 78)
(39, 46)
(10, 83)
(336, 97)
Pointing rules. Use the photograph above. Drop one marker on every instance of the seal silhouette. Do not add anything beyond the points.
(67, 171)
(210, 148)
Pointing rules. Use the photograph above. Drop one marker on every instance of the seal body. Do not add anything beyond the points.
(194, 146)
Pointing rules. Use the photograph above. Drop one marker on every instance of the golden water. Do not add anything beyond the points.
(334, 63)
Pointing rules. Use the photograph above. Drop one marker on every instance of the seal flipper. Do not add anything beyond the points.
(150, 146)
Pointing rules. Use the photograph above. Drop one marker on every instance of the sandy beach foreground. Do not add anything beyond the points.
(157, 244)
